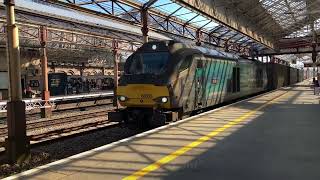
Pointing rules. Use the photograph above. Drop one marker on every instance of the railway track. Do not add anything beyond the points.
(36, 115)
(65, 127)
(68, 132)
(65, 141)
(44, 130)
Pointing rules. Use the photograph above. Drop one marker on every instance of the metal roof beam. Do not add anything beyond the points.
(85, 3)
(225, 33)
(239, 39)
(215, 29)
(148, 4)
(288, 51)
(204, 25)
(188, 22)
(67, 25)
(101, 6)
(177, 26)
(173, 13)
(210, 9)
(232, 36)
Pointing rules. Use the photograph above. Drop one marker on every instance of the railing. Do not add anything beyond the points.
(32, 104)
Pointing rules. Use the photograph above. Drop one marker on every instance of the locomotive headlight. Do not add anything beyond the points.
(154, 47)
(161, 100)
(164, 99)
(122, 98)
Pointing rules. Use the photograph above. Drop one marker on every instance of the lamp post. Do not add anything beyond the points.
(46, 112)
(115, 46)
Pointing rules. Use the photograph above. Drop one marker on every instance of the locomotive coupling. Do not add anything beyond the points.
(117, 116)
(148, 116)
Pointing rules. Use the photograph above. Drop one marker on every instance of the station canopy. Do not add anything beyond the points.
(299, 21)
(171, 18)
(294, 16)
(278, 19)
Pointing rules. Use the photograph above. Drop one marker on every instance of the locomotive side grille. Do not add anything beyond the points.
(146, 96)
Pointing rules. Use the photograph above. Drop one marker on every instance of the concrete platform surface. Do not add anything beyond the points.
(275, 136)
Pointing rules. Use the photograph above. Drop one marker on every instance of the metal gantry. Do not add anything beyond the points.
(166, 17)
(61, 38)
(67, 34)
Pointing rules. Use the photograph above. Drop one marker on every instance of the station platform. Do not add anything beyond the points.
(68, 97)
(271, 136)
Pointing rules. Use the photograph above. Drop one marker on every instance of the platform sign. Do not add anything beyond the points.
(4, 80)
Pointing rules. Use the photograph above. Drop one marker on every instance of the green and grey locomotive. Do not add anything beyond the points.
(165, 80)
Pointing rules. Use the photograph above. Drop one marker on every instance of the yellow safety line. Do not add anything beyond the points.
(156, 165)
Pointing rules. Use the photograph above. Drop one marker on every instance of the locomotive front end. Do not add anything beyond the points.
(144, 90)
(144, 95)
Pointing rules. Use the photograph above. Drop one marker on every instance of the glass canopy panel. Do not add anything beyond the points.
(294, 60)
(286, 12)
(186, 15)
(238, 37)
(301, 33)
(104, 7)
(231, 35)
(210, 26)
(81, 1)
(305, 31)
(173, 17)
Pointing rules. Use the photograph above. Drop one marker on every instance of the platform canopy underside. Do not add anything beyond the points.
(246, 27)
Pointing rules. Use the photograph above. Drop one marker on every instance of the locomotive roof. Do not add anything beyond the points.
(215, 53)
(173, 46)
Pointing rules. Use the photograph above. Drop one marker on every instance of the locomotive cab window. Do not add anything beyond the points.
(186, 63)
(199, 63)
(148, 63)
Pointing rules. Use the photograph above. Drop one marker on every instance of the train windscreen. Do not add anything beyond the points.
(148, 63)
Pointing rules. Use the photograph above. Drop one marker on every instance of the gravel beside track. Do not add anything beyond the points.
(54, 150)
(63, 135)
(66, 133)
